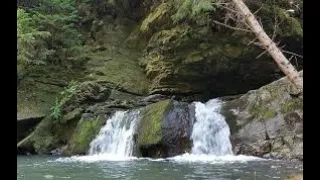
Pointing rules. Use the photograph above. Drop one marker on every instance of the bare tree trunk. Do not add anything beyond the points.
(270, 46)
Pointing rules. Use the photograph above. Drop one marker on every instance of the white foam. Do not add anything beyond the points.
(214, 159)
(202, 158)
(97, 158)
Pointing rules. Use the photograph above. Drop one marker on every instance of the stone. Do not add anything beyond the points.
(269, 115)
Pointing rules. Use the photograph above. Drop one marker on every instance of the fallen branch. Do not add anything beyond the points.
(231, 27)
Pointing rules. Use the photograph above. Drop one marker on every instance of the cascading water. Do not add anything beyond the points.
(210, 134)
(210, 137)
(116, 137)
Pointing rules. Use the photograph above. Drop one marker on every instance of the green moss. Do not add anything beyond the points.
(290, 26)
(157, 17)
(84, 133)
(51, 134)
(42, 136)
(120, 68)
(268, 114)
(149, 131)
(290, 106)
(233, 51)
(35, 99)
(194, 57)
(262, 111)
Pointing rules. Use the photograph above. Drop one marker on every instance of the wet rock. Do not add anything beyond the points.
(58, 151)
(89, 92)
(165, 129)
(84, 133)
(177, 128)
(267, 122)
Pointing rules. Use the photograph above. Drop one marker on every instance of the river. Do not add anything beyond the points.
(50, 167)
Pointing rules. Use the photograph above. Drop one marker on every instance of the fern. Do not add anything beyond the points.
(202, 6)
(184, 10)
(188, 8)
(65, 95)
(56, 110)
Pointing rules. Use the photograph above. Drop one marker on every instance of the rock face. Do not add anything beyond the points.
(267, 122)
(25, 126)
(197, 56)
(82, 116)
(165, 129)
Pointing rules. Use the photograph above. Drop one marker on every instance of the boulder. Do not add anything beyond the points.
(164, 129)
(267, 122)
(86, 130)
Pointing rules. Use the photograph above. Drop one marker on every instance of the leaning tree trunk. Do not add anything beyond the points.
(270, 46)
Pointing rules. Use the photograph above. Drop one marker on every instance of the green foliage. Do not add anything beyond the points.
(56, 110)
(183, 11)
(31, 43)
(60, 18)
(202, 6)
(47, 32)
(190, 8)
(65, 95)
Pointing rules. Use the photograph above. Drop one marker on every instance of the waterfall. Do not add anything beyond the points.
(210, 137)
(211, 133)
(116, 137)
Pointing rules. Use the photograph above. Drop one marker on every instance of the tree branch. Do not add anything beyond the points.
(292, 53)
(231, 27)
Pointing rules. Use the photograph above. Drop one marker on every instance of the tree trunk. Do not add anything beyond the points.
(270, 46)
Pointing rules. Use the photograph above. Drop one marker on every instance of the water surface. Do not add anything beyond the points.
(178, 168)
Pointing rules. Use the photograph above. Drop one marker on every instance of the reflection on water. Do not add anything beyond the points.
(45, 167)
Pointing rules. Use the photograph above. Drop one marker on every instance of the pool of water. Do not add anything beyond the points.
(177, 168)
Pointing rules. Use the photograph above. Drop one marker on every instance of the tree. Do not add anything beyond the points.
(31, 43)
(270, 46)
(47, 32)
(61, 19)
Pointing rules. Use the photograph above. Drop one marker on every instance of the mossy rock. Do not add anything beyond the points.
(274, 111)
(48, 135)
(150, 126)
(159, 17)
(84, 133)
